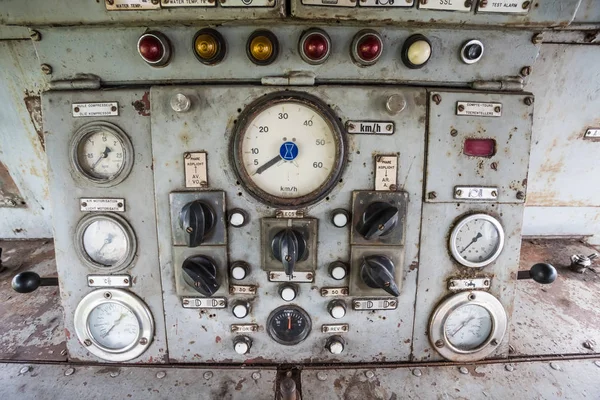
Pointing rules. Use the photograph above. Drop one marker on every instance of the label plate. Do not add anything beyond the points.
(247, 3)
(123, 5)
(196, 175)
(336, 328)
(503, 6)
(188, 3)
(244, 328)
(330, 3)
(109, 281)
(475, 109)
(241, 289)
(370, 127)
(334, 291)
(386, 3)
(110, 109)
(468, 284)
(593, 133)
(114, 205)
(386, 173)
(374, 304)
(447, 5)
(475, 193)
(280, 276)
(289, 214)
(202, 302)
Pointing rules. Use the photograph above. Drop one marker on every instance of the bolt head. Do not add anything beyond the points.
(25, 370)
(207, 375)
(69, 371)
(161, 374)
(509, 368)
(256, 376)
(417, 372)
(114, 374)
(322, 376)
(370, 374)
(463, 370)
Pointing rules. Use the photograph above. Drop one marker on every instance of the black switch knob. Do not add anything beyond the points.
(27, 282)
(288, 246)
(378, 272)
(378, 219)
(197, 219)
(541, 273)
(200, 272)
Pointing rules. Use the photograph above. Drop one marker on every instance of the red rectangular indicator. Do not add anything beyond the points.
(480, 147)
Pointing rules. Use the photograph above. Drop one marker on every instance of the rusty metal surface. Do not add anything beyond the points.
(560, 318)
(573, 380)
(10, 196)
(32, 324)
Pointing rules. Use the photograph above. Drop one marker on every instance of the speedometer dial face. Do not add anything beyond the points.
(468, 327)
(289, 149)
(477, 240)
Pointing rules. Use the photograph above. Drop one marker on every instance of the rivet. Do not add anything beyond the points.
(114, 374)
(161, 374)
(509, 368)
(25, 370)
(537, 38)
(143, 341)
(69, 371)
(439, 343)
(463, 370)
(417, 372)
(526, 71)
(555, 366)
(35, 36)
(370, 374)
(256, 376)
(597, 363)
(207, 375)
(322, 376)
(46, 69)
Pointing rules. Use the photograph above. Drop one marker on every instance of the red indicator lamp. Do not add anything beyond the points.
(154, 48)
(479, 147)
(366, 47)
(314, 46)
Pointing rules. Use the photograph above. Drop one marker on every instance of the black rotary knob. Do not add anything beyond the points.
(378, 219)
(200, 272)
(288, 246)
(197, 219)
(378, 272)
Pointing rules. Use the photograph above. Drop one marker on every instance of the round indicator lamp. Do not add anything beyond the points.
(471, 51)
(314, 46)
(262, 47)
(416, 51)
(209, 46)
(367, 47)
(154, 48)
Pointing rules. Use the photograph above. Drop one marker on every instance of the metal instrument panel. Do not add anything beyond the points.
(67, 188)
(200, 336)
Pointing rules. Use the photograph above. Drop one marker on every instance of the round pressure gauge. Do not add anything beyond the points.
(468, 326)
(102, 153)
(289, 325)
(105, 242)
(477, 240)
(114, 324)
(288, 149)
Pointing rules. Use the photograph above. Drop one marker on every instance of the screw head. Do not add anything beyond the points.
(370, 374)
(207, 375)
(463, 370)
(437, 99)
(461, 108)
(439, 343)
(417, 372)
(46, 69)
(494, 342)
(526, 71)
(161, 374)
(520, 195)
(538, 38)
(114, 374)
(528, 101)
(87, 342)
(509, 368)
(458, 192)
(35, 36)
(432, 195)
(69, 371)
(322, 376)
(256, 376)
(25, 370)
(143, 341)
(453, 132)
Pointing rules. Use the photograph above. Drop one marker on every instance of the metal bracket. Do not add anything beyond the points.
(293, 78)
(81, 82)
(506, 84)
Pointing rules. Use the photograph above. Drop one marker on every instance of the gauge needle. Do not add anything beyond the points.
(476, 238)
(103, 155)
(108, 240)
(268, 165)
(289, 322)
(113, 325)
(461, 326)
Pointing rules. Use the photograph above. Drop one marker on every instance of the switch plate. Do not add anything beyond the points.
(216, 200)
(269, 227)
(357, 286)
(361, 200)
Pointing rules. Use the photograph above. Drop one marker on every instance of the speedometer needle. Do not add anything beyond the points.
(268, 165)
(461, 326)
(476, 238)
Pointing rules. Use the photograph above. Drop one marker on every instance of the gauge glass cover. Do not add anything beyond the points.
(477, 240)
(113, 326)
(105, 242)
(289, 325)
(468, 327)
(289, 149)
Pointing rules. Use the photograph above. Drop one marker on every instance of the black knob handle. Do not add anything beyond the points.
(197, 219)
(27, 282)
(200, 272)
(288, 246)
(378, 219)
(541, 273)
(378, 272)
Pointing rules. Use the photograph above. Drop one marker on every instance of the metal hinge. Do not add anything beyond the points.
(294, 78)
(80, 82)
(509, 84)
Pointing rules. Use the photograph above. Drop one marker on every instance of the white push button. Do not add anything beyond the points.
(237, 218)
(241, 347)
(338, 311)
(340, 218)
(238, 272)
(288, 293)
(240, 310)
(335, 345)
(338, 270)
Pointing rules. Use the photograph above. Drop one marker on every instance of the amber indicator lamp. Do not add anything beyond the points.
(209, 46)
(262, 47)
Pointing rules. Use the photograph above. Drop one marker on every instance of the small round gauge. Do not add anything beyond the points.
(105, 242)
(289, 149)
(477, 240)
(114, 324)
(102, 153)
(289, 325)
(468, 326)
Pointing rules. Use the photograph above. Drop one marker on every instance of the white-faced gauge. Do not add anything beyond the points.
(477, 240)
(105, 242)
(114, 324)
(468, 326)
(288, 149)
(102, 153)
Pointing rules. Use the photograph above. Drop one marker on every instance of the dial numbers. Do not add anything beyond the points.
(105, 242)
(468, 327)
(477, 240)
(113, 326)
(101, 154)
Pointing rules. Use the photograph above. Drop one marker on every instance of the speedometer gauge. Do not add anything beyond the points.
(288, 149)
(477, 240)
(114, 324)
(468, 326)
